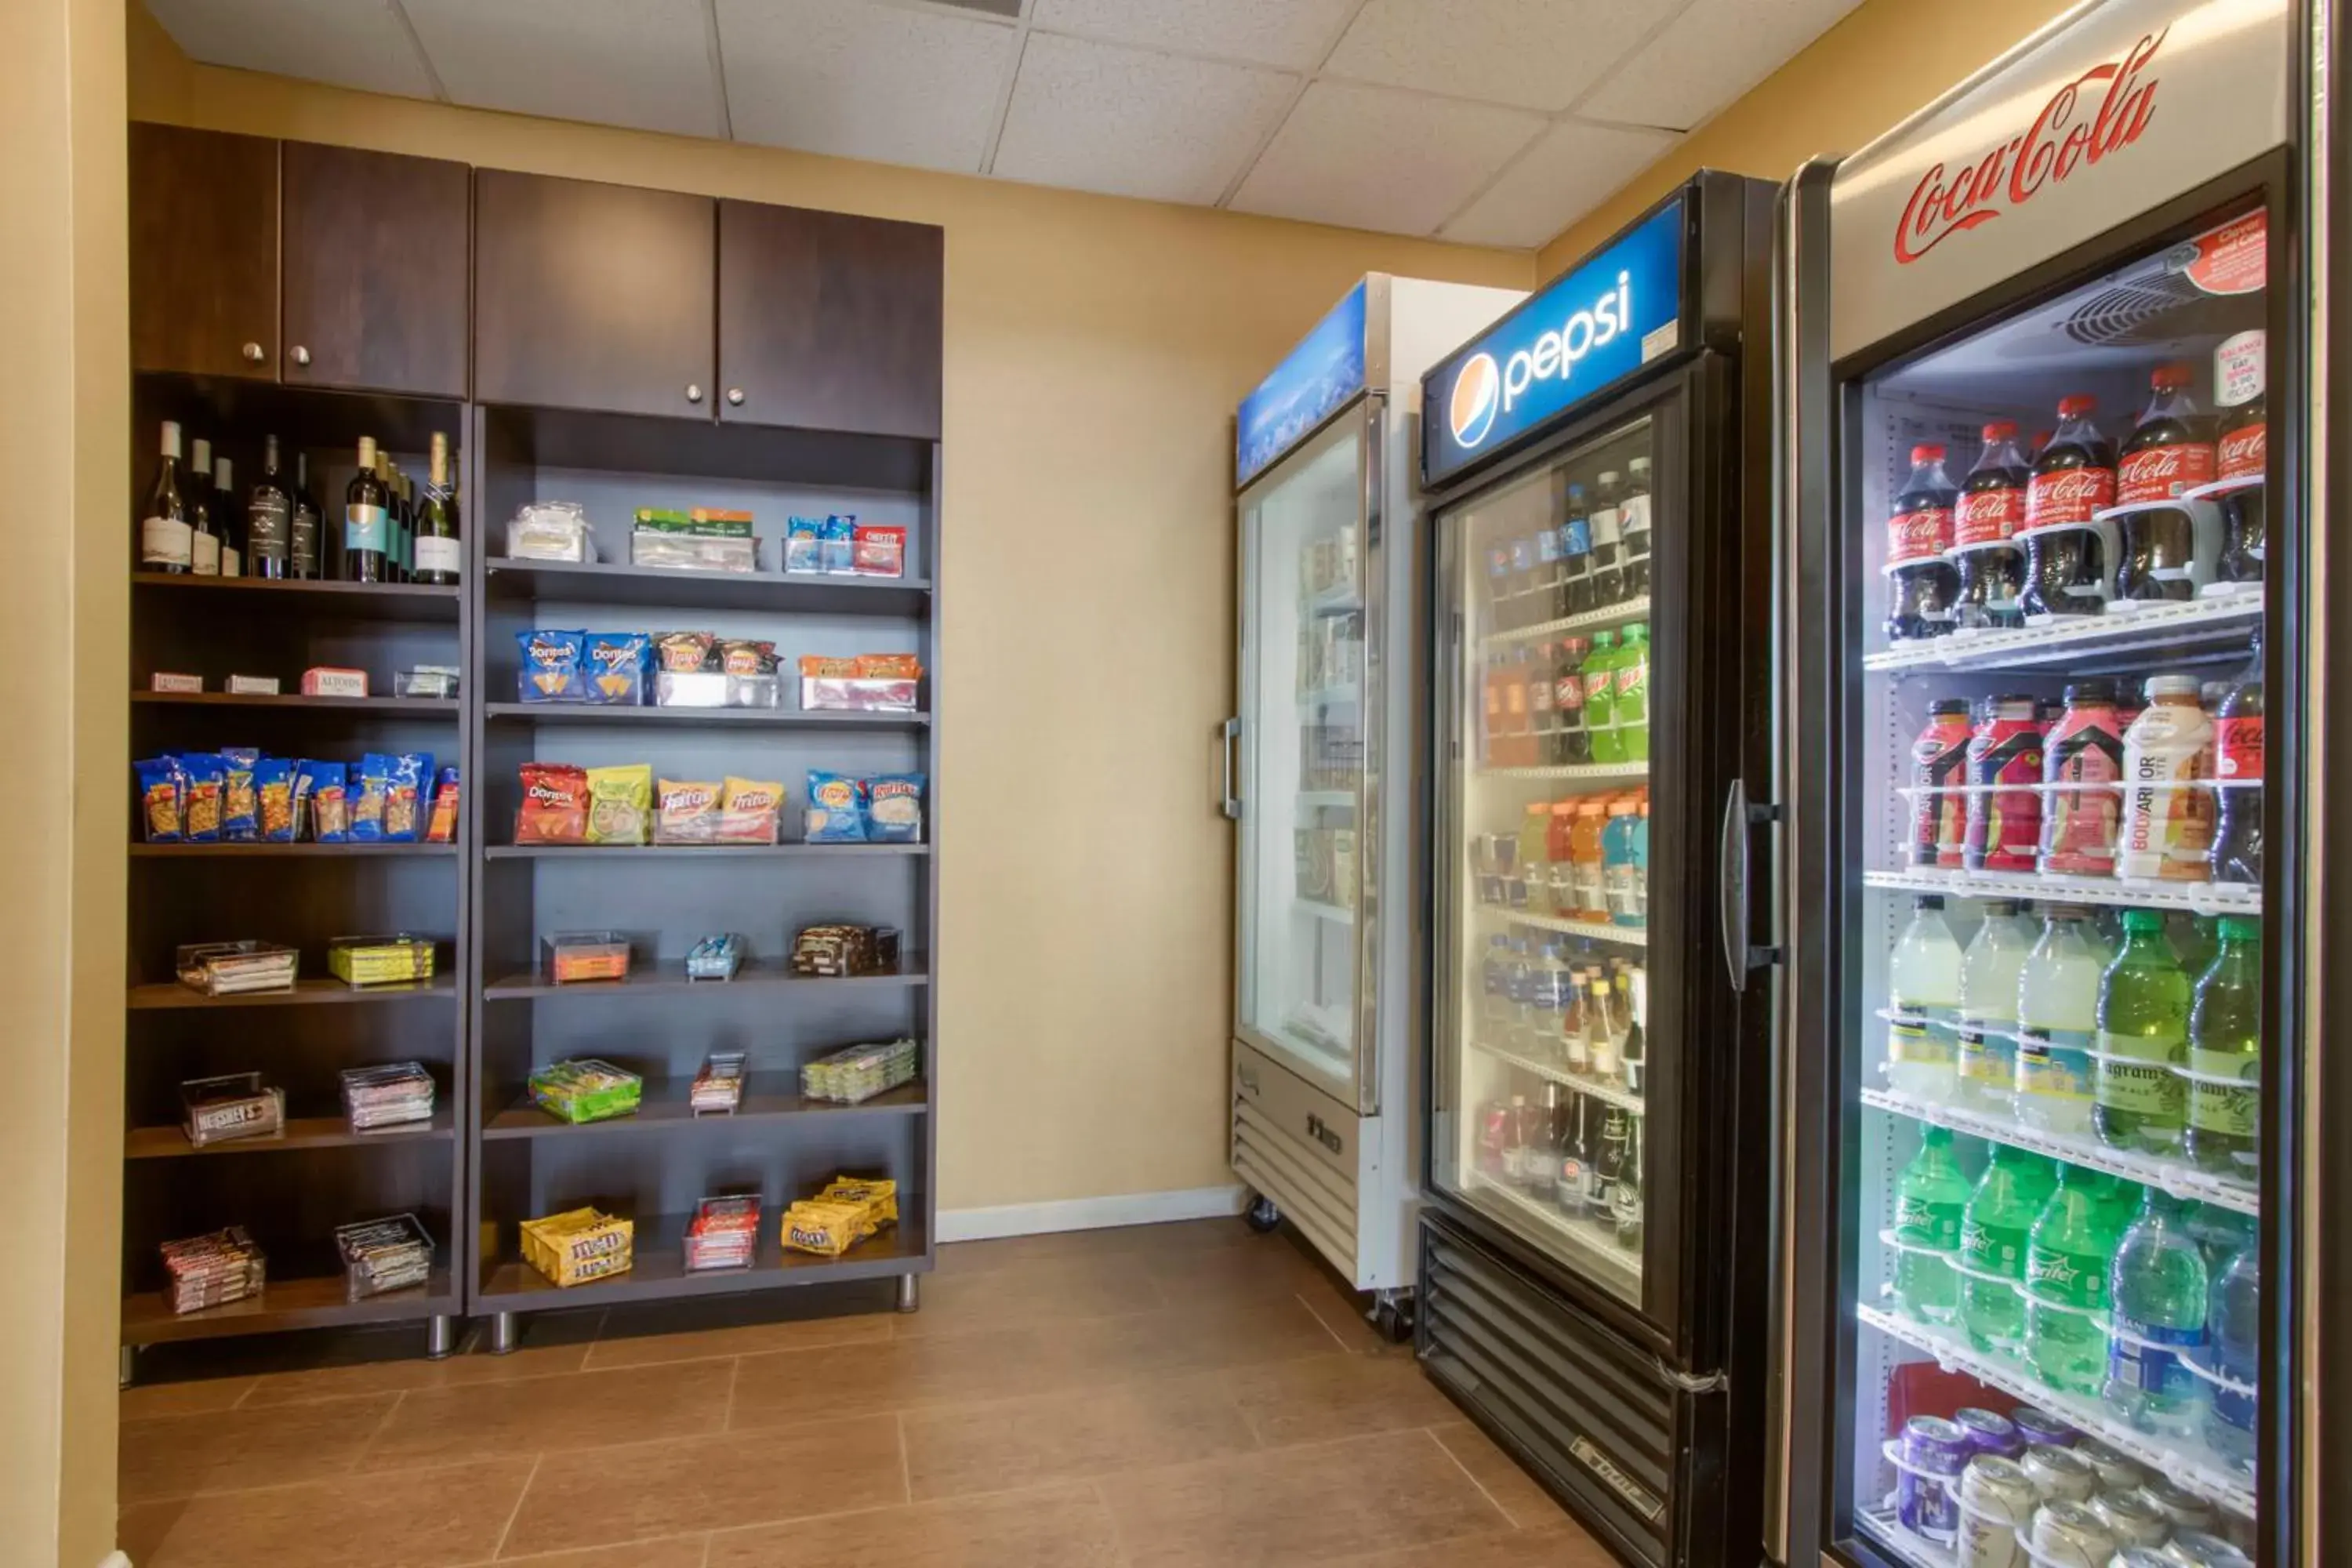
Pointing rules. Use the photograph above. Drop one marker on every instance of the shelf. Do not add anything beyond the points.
(661, 1272)
(1885, 1530)
(321, 991)
(358, 601)
(599, 714)
(1592, 930)
(598, 582)
(2182, 1181)
(1602, 619)
(315, 1303)
(1576, 773)
(1346, 694)
(702, 851)
(1316, 908)
(2165, 629)
(301, 1132)
(2199, 898)
(671, 975)
(1607, 1093)
(667, 1106)
(281, 851)
(1339, 599)
(1584, 1240)
(390, 707)
(1325, 799)
(2188, 1464)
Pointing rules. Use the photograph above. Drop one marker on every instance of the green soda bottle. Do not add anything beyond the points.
(2225, 1052)
(1994, 1231)
(2068, 1254)
(1600, 674)
(2139, 1101)
(1634, 692)
(1930, 1196)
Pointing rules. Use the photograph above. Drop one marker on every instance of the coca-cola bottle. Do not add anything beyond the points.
(2073, 479)
(1920, 582)
(1985, 525)
(2167, 457)
(2237, 852)
(2238, 393)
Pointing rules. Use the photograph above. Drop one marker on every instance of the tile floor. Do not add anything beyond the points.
(1159, 1398)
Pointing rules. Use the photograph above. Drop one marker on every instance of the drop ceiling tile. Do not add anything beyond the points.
(1558, 180)
(1367, 158)
(1537, 54)
(1707, 56)
(854, 79)
(359, 45)
(1293, 34)
(641, 63)
(1095, 117)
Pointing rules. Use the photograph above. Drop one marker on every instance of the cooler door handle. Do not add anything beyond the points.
(1228, 732)
(1731, 865)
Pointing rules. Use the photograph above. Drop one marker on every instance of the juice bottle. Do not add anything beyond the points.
(1923, 992)
(1989, 974)
(1591, 872)
(1634, 693)
(1619, 871)
(1939, 761)
(2084, 754)
(2057, 1013)
(1535, 856)
(1642, 859)
(1600, 700)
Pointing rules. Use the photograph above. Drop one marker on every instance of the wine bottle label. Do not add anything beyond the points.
(206, 554)
(268, 523)
(165, 541)
(364, 528)
(434, 553)
(232, 563)
(306, 542)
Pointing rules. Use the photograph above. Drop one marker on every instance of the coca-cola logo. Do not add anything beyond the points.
(2162, 473)
(1986, 516)
(2244, 452)
(2059, 140)
(2068, 495)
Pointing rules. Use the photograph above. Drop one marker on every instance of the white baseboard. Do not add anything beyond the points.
(1089, 1213)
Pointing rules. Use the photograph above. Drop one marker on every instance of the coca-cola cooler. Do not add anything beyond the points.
(2048, 867)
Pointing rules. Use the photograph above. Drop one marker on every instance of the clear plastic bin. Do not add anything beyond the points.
(578, 956)
(231, 1106)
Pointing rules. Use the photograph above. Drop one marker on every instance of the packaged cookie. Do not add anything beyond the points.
(555, 805)
(162, 791)
(685, 811)
(620, 803)
(893, 808)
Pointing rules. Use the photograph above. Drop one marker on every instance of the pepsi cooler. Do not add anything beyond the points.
(1593, 1254)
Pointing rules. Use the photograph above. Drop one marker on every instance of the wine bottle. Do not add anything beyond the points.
(232, 548)
(438, 558)
(407, 526)
(270, 521)
(164, 537)
(308, 564)
(395, 560)
(204, 533)
(366, 526)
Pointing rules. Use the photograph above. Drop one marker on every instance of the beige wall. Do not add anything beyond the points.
(1884, 60)
(64, 598)
(1096, 349)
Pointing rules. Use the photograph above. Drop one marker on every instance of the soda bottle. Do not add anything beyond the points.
(2073, 479)
(2082, 755)
(1920, 582)
(1632, 713)
(2225, 1055)
(1642, 859)
(1613, 1161)
(2000, 1213)
(1522, 1128)
(1619, 872)
(2237, 852)
(1543, 713)
(2164, 459)
(1574, 1176)
(1590, 863)
(2057, 997)
(2143, 1036)
(2069, 1255)
(2158, 1290)
(1605, 1038)
(1634, 528)
(2243, 457)
(1923, 997)
(1529, 604)
(1608, 544)
(1543, 1150)
(2195, 939)
(1502, 609)
(1930, 1196)
(1625, 1204)
(1576, 553)
(1546, 590)
(1494, 1138)
(1985, 525)
(1939, 810)
(2004, 814)
(1552, 988)
(1600, 671)
(2234, 1326)
(1987, 1073)
(2167, 814)
(1568, 701)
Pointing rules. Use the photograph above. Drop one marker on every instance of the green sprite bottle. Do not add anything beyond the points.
(2225, 1050)
(2139, 1103)
(1994, 1231)
(2068, 1256)
(1930, 1198)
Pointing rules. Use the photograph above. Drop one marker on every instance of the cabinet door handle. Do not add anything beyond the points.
(693, 392)
(735, 395)
(301, 354)
(252, 352)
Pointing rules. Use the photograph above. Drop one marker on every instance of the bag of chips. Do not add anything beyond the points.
(837, 546)
(442, 828)
(555, 805)
(741, 655)
(880, 550)
(620, 801)
(683, 653)
(836, 809)
(749, 811)
(162, 806)
(320, 798)
(615, 666)
(371, 781)
(408, 783)
(273, 799)
(551, 665)
(240, 817)
(893, 808)
(207, 783)
(685, 811)
(801, 546)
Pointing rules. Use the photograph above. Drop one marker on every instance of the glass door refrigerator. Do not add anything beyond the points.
(1594, 1282)
(1319, 776)
(2050, 849)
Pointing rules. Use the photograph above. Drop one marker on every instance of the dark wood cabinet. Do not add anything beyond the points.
(829, 321)
(592, 296)
(203, 252)
(374, 281)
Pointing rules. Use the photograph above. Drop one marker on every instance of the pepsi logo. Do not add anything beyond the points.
(1477, 395)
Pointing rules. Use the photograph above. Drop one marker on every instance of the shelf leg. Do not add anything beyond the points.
(907, 1301)
(502, 1333)
(440, 1336)
(126, 1365)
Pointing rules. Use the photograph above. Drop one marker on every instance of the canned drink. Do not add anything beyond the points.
(1997, 1504)
(2195, 1549)
(2036, 1425)
(1927, 1495)
(2059, 1475)
(2182, 1509)
(2131, 1519)
(2117, 1473)
(2068, 1535)
(1990, 1431)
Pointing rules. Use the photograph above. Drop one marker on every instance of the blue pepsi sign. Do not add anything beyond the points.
(1323, 372)
(1594, 327)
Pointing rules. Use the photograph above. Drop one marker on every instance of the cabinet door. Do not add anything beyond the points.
(375, 270)
(203, 251)
(828, 322)
(592, 296)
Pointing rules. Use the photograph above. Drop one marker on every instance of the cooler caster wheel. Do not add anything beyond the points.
(1393, 1318)
(1262, 1216)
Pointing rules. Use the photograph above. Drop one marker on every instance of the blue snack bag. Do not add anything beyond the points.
(614, 668)
(240, 808)
(837, 547)
(162, 799)
(893, 808)
(801, 548)
(206, 775)
(322, 802)
(551, 670)
(837, 808)
(371, 786)
(273, 797)
(406, 796)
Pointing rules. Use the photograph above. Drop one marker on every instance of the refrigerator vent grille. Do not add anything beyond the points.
(1317, 1199)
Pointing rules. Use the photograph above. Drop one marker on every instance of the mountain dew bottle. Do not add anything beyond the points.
(1994, 1231)
(1929, 1198)
(1634, 692)
(2139, 1101)
(2068, 1257)
(1600, 675)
